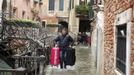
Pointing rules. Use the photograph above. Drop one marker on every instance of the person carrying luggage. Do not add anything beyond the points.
(64, 41)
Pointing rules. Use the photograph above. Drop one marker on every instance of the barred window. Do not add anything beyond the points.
(61, 5)
(51, 4)
(121, 48)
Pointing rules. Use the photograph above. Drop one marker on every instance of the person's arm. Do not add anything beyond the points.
(56, 40)
(71, 40)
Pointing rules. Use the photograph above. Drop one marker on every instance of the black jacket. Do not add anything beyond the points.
(64, 40)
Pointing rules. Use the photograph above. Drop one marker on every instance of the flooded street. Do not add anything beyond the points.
(84, 64)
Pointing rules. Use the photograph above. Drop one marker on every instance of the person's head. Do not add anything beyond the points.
(64, 31)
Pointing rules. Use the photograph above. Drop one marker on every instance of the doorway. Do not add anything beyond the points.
(63, 24)
(84, 26)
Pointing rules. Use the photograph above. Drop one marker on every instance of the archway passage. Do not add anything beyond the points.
(84, 26)
(62, 25)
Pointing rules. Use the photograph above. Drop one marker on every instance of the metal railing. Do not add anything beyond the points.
(13, 71)
(27, 64)
(33, 64)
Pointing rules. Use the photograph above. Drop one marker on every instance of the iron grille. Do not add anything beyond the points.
(121, 48)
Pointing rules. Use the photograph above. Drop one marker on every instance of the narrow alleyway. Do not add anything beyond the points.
(84, 64)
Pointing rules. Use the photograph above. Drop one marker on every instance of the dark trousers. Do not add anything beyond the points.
(63, 58)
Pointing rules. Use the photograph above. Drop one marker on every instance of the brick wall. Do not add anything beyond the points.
(111, 8)
(27, 6)
(132, 52)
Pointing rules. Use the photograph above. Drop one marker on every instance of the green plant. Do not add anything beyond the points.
(82, 9)
(21, 23)
(91, 11)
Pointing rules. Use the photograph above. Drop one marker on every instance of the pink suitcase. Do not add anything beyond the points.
(55, 56)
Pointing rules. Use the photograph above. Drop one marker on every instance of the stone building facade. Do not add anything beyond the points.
(27, 9)
(74, 21)
(118, 13)
(56, 11)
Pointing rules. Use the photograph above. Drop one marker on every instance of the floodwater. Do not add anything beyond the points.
(84, 64)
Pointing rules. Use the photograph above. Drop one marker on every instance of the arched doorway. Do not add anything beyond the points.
(62, 25)
(84, 25)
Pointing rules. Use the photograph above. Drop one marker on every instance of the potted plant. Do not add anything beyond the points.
(82, 10)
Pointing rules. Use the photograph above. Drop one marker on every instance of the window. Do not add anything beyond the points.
(51, 4)
(23, 14)
(71, 4)
(97, 2)
(44, 23)
(121, 48)
(82, 2)
(61, 5)
(14, 12)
